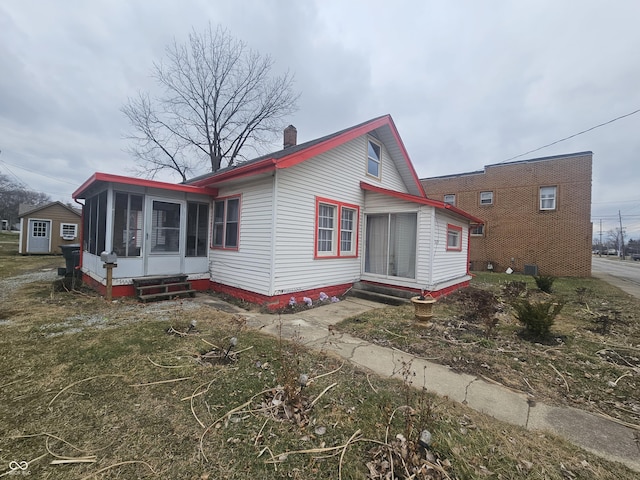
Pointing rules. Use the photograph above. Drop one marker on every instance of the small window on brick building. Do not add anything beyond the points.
(450, 198)
(477, 230)
(548, 198)
(486, 198)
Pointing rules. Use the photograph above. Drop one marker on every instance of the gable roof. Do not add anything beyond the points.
(24, 210)
(383, 127)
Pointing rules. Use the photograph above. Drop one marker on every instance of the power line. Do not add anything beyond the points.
(36, 173)
(571, 136)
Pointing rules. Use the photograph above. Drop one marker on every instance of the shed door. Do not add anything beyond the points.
(39, 236)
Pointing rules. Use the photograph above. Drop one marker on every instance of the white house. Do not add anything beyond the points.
(310, 218)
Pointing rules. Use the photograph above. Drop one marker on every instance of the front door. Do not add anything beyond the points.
(39, 240)
(164, 240)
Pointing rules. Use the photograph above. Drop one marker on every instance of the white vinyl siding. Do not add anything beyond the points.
(436, 267)
(448, 265)
(399, 272)
(334, 175)
(248, 267)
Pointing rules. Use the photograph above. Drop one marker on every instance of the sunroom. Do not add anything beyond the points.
(154, 228)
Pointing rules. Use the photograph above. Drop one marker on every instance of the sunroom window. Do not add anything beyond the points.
(127, 225)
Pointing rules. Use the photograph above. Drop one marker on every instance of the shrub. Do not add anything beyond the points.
(544, 282)
(537, 318)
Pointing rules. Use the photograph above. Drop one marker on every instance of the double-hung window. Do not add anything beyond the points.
(486, 198)
(374, 158)
(226, 223)
(454, 238)
(548, 198)
(336, 229)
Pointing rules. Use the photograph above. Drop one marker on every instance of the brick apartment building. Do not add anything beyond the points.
(537, 214)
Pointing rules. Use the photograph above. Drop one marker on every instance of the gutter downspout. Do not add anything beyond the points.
(274, 233)
(81, 233)
(432, 252)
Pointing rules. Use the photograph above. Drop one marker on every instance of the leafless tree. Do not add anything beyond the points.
(218, 98)
(12, 194)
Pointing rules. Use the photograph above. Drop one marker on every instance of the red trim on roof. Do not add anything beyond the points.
(300, 156)
(263, 166)
(421, 200)
(317, 149)
(141, 182)
(406, 155)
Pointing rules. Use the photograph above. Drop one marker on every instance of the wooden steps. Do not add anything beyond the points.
(162, 287)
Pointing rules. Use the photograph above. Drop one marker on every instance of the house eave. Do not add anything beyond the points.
(98, 177)
(422, 201)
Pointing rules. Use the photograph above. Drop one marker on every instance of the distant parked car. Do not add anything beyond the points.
(636, 257)
(612, 251)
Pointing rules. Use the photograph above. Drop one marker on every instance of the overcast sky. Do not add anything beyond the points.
(468, 83)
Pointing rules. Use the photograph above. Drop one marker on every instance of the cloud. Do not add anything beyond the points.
(468, 83)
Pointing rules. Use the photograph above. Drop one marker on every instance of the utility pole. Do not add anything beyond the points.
(621, 236)
(600, 247)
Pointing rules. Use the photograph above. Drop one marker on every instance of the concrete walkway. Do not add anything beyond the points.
(314, 329)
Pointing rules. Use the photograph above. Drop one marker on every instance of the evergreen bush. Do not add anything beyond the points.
(537, 317)
(544, 282)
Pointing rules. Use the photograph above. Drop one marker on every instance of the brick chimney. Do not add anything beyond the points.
(290, 136)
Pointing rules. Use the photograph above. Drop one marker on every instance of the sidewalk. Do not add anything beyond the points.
(314, 328)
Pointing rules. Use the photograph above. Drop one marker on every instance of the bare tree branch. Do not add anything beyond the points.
(218, 98)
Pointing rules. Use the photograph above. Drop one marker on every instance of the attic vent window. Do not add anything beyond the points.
(374, 158)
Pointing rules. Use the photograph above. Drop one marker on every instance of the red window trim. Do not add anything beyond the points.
(224, 230)
(459, 230)
(356, 228)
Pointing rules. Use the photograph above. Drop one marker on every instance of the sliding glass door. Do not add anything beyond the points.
(390, 244)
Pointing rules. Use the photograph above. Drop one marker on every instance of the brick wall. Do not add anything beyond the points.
(517, 232)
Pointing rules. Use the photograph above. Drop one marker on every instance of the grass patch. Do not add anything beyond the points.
(14, 264)
(576, 364)
(91, 389)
